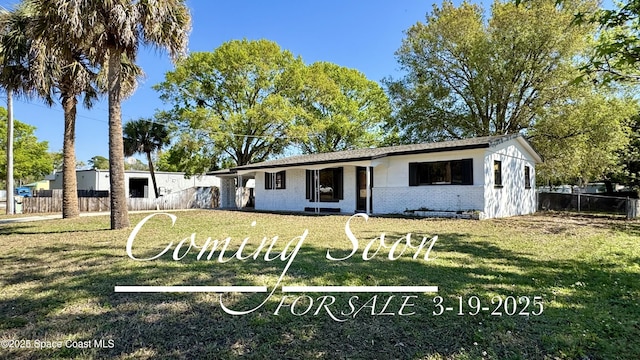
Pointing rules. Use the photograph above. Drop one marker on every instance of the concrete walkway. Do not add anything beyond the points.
(29, 219)
(83, 214)
(49, 217)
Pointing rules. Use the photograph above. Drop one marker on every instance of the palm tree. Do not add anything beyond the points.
(14, 75)
(68, 74)
(71, 82)
(57, 67)
(116, 29)
(145, 136)
(53, 70)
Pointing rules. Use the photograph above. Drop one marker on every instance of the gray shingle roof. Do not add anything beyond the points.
(375, 153)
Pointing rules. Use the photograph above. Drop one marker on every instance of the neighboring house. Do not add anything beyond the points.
(39, 185)
(492, 175)
(138, 183)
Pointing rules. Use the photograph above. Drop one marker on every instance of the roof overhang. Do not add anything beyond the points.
(527, 145)
(371, 159)
(360, 160)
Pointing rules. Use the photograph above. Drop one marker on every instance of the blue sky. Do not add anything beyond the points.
(357, 34)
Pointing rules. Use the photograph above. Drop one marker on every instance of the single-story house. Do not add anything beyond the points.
(138, 183)
(494, 176)
(38, 185)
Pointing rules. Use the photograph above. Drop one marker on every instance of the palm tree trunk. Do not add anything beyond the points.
(10, 206)
(69, 180)
(153, 174)
(119, 214)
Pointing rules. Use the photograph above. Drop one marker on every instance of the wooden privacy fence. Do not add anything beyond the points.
(81, 193)
(192, 198)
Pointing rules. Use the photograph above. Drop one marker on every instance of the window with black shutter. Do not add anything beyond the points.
(275, 180)
(310, 194)
(527, 178)
(453, 172)
(268, 181)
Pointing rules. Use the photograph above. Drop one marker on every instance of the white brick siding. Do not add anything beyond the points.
(391, 192)
(292, 198)
(435, 197)
(512, 198)
(393, 171)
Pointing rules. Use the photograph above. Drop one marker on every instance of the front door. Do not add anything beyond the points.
(361, 188)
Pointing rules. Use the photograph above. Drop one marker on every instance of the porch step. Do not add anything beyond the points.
(322, 210)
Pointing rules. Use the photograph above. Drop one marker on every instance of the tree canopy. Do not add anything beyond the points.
(31, 158)
(581, 139)
(628, 171)
(99, 163)
(234, 102)
(467, 76)
(340, 109)
(616, 54)
(144, 136)
(189, 156)
(513, 72)
(250, 100)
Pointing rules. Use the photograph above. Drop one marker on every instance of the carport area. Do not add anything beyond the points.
(236, 191)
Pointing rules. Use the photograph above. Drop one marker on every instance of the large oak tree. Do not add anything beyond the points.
(234, 103)
(470, 76)
(250, 100)
(339, 109)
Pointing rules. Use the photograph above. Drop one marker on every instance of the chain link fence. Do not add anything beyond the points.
(589, 203)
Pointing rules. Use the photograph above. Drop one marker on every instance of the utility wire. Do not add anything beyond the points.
(57, 110)
(282, 136)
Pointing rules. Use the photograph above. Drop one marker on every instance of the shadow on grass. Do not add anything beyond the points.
(591, 307)
(23, 232)
(14, 229)
(56, 228)
(600, 221)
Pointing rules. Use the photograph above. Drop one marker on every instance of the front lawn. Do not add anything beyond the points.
(57, 282)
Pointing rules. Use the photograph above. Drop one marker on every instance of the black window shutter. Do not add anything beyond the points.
(338, 182)
(283, 179)
(268, 183)
(467, 172)
(309, 181)
(413, 174)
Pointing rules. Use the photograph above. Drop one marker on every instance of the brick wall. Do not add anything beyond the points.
(435, 197)
(293, 198)
(512, 198)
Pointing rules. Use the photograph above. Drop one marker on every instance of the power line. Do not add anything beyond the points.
(57, 110)
(281, 136)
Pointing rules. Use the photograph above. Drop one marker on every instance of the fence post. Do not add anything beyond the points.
(578, 200)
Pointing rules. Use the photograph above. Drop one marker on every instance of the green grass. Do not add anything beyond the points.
(57, 283)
